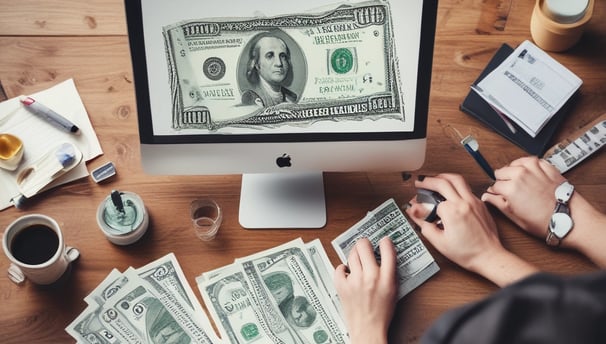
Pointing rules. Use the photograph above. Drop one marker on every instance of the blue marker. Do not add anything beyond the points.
(472, 146)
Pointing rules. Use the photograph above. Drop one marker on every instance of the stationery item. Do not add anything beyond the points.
(37, 138)
(34, 245)
(49, 115)
(473, 148)
(475, 106)
(55, 163)
(103, 172)
(529, 87)
(578, 146)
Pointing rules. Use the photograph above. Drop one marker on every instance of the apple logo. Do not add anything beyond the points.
(283, 161)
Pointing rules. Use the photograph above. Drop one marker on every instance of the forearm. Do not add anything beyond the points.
(503, 268)
(588, 236)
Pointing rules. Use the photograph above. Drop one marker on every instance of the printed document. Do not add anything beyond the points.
(529, 87)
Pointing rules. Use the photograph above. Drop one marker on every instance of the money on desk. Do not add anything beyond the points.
(414, 262)
(151, 304)
(282, 295)
(333, 65)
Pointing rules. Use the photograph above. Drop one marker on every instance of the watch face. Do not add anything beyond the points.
(564, 191)
(560, 224)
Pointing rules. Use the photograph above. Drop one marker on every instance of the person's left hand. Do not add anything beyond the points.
(368, 291)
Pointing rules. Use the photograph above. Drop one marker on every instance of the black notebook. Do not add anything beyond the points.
(478, 108)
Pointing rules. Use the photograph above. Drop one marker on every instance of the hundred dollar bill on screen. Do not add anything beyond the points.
(293, 69)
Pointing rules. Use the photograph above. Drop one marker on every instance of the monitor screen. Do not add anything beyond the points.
(297, 87)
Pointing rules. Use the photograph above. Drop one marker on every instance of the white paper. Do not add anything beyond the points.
(529, 87)
(39, 136)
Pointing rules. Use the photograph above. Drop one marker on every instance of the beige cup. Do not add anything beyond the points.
(34, 245)
(555, 32)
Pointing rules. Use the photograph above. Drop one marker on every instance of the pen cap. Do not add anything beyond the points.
(557, 25)
(125, 224)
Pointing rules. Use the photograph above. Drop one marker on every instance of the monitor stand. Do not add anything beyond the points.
(282, 200)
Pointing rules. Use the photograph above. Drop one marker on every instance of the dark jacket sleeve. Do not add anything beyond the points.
(542, 308)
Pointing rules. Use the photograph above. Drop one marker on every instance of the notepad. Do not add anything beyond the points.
(38, 135)
(529, 87)
(475, 106)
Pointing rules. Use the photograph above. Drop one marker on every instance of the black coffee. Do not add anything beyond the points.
(35, 244)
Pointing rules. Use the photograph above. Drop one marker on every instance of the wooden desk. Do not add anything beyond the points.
(45, 42)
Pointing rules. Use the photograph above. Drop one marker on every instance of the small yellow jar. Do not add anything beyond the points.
(11, 151)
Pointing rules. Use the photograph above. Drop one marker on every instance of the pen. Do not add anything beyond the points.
(472, 146)
(49, 115)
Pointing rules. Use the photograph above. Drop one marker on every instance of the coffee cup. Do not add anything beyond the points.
(34, 245)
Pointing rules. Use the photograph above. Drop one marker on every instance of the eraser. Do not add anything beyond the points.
(104, 172)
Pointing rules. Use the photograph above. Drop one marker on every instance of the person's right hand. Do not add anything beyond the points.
(468, 234)
(525, 193)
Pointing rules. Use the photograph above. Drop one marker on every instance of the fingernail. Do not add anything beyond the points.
(406, 206)
(421, 177)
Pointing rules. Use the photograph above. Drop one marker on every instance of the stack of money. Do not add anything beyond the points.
(282, 295)
(151, 304)
(415, 263)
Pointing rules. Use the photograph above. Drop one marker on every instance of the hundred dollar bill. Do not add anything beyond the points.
(107, 288)
(88, 328)
(140, 314)
(292, 69)
(567, 154)
(325, 271)
(176, 314)
(237, 313)
(285, 285)
(414, 262)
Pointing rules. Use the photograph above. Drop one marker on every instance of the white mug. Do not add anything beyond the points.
(34, 245)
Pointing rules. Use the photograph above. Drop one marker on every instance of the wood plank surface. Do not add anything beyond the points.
(45, 42)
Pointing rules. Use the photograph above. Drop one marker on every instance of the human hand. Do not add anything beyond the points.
(467, 234)
(525, 192)
(368, 291)
(467, 231)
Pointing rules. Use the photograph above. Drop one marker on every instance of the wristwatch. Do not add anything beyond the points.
(561, 223)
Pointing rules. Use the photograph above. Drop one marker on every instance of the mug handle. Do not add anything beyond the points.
(15, 274)
(71, 253)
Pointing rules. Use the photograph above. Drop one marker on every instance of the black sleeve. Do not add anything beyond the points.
(542, 308)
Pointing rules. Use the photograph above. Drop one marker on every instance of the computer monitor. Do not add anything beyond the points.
(353, 97)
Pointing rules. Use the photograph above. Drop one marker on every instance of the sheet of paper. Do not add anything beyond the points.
(529, 87)
(39, 136)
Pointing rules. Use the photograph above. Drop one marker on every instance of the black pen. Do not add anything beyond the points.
(472, 146)
(49, 115)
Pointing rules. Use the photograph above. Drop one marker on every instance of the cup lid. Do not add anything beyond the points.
(566, 11)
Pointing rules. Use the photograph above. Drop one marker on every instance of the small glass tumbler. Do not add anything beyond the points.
(206, 217)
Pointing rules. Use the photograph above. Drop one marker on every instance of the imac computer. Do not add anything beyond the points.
(280, 92)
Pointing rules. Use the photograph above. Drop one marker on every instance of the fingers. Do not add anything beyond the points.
(388, 255)
(496, 200)
(451, 186)
(366, 254)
